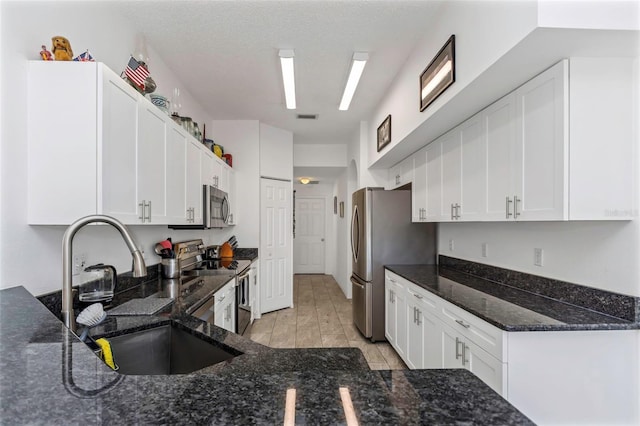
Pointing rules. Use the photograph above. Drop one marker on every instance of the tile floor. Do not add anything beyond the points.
(321, 318)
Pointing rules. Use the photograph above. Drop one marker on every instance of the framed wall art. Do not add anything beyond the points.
(384, 133)
(439, 74)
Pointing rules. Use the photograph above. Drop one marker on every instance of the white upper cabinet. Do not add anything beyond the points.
(499, 126)
(176, 174)
(473, 185)
(151, 174)
(119, 155)
(400, 174)
(451, 175)
(560, 147)
(117, 106)
(193, 192)
(419, 187)
(540, 181)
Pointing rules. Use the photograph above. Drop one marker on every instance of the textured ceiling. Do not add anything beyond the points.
(235, 47)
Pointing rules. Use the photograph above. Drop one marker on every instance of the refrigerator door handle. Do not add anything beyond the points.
(355, 233)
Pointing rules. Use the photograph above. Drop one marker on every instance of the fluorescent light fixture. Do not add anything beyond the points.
(437, 79)
(305, 180)
(288, 77)
(357, 66)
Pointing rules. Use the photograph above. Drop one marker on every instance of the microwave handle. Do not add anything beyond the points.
(225, 209)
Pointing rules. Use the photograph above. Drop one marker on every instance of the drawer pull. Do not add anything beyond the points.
(463, 324)
(417, 296)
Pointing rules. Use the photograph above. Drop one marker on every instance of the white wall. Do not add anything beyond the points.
(592, 14)
(241, 138)
(317, 155)
(36, 260)
(341, 232)
(484, 32)
(276, 152)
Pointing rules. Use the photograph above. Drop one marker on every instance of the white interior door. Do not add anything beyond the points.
(276, 248)
(309, 241)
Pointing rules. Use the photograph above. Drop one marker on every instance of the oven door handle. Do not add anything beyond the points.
(242, 277)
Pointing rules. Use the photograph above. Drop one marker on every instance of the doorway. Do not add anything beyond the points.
(309, 242)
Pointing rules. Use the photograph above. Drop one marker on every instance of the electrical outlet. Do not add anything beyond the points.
(538, 258)
(485, 249)
(451, 246)
(79, 263)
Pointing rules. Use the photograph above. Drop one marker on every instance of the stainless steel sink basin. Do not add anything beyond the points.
(165, 350)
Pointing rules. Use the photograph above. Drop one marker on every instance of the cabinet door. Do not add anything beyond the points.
(484, 365)
(452, 344)
(176, 176)
(207, 167)
(194, 182)
(118, 105)
(151, 174)
(541, 152)
(474, 170)
(500, 134)
(433, 155)
(423, 342)
(390, 323)
(419, 187)
(451, 175)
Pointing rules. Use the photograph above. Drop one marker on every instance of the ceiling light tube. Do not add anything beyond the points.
(357, 66)
(288, 77)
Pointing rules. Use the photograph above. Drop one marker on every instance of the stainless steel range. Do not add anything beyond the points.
(193, 263)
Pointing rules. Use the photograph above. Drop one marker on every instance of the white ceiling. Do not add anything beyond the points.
(226, 55)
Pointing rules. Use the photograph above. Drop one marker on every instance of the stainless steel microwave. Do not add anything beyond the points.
(215, 210)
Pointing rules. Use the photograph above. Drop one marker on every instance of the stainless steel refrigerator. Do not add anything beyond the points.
(382, 234)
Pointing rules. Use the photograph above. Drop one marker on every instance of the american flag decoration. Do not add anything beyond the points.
(136, 72)
(84, 57)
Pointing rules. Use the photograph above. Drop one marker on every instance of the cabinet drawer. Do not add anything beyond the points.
(414, 291)
(483, 334)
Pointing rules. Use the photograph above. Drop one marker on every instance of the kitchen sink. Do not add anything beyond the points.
(163, 350)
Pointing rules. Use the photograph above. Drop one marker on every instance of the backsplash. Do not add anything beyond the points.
(614, 304)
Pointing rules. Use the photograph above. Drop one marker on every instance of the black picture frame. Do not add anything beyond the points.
(446, 53)
(384, 133)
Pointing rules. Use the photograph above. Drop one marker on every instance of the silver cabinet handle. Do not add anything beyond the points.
(149, 217)
(417, 296)
(458, 341)
(418, 316)
(415, 311)
(390, 297)
(457, 211)
(141, 205)
(463, 324)
(508, 207)
(465, 360)
(515, 206)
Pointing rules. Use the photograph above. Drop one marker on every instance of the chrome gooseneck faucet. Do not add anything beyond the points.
(139, 268)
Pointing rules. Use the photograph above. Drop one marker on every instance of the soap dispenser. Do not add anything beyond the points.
(98, 283)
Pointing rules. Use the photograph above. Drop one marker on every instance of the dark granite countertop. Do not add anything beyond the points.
(246, 253)
(49, 376)
(506, 307)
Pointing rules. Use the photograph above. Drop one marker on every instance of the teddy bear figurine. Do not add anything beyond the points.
(61, 49)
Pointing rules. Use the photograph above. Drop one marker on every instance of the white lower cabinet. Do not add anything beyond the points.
(395, 314)
(225, 306)
(553, 377)
(434, 333)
